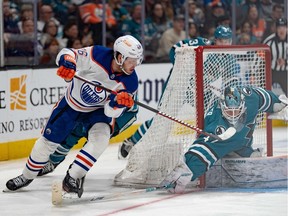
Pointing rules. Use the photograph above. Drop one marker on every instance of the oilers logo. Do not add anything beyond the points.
(92, 95)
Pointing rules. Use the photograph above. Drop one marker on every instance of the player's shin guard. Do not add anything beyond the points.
(98, 140)
(38, 157)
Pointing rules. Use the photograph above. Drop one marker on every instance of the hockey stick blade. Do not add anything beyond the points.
(154, 110)
(58, 198)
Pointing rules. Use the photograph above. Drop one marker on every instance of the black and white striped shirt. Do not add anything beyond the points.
(279, 49)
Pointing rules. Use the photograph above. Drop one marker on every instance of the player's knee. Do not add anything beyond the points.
(43, 148)
(195, 164)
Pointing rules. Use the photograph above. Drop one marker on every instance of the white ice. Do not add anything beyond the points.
(36, 198)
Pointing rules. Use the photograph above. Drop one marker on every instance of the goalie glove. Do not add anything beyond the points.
(177, 180)
(67, 67)
(121, 100)
(280, 109)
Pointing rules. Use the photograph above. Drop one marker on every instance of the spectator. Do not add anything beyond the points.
(258, 24)
(242, 10)
(70, 31)
(22, 44)
(133, 26)
(265, 9)
(91, 12)
(149, 7)
(119, 12)
(170, 37)
(25, 13)
(277, 13)
(278, 42)
(193, 29)
(86, 36)
(213, 15)
(155, 25)
(10, 18)
(74, 43)
(50, 30)
(209, 31)
(168, 8)
(50, 50)
(224, 20)
(246, 29)
(62, 9)
(45, 14)
(196, 13)
(244, 39)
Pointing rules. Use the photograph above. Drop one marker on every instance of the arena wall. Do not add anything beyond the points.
(27, 97)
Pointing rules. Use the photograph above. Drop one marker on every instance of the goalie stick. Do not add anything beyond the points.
(226, 135)
(59, 199)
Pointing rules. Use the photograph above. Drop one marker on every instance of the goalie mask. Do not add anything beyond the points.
(232, 104)
(130, 49)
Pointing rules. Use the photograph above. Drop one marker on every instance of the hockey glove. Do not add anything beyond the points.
(120, 100)
(177, 180)
(280, 109)
(67, 67)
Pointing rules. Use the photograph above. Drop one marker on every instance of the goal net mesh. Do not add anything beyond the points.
(198, 78)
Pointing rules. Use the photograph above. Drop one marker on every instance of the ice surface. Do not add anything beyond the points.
(36, 198)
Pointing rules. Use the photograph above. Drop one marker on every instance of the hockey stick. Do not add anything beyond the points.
(60, 199)
(228, 133)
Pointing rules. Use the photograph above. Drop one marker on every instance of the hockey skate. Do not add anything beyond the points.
(125, 148)
(18, 182)
(71, 185)
(48, 168)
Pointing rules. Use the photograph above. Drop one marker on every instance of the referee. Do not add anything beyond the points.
(278, 43)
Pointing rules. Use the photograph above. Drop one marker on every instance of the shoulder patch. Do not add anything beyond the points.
(247, 91)
(220, 130)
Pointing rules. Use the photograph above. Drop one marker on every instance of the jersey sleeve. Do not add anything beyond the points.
(82, 56)
(266, 99)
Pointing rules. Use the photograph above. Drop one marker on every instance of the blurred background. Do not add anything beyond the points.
(34, 31)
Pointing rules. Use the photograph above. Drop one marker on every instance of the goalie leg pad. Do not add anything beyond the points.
(177, 180)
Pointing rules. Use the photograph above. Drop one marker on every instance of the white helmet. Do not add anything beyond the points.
(128, 46)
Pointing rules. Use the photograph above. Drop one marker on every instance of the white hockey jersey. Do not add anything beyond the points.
(95, 64)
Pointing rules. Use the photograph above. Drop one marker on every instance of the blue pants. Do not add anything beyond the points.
(64, 119)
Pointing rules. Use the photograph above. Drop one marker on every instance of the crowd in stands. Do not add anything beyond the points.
(78, 23)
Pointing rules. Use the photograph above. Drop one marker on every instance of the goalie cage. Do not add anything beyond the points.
(199, 75)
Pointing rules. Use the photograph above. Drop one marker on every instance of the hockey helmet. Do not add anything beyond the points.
(232, 104)
(224, 33)
(197, 41)
(128, 47)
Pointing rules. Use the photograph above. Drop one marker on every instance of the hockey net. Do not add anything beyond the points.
(199, 76)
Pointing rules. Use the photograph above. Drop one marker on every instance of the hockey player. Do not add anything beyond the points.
(225, 63)
(128, 143)
(222, 36)
(237, 107)
(80, 131)
(112, 68)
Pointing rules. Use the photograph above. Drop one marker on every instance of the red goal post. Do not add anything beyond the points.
(198, 77)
